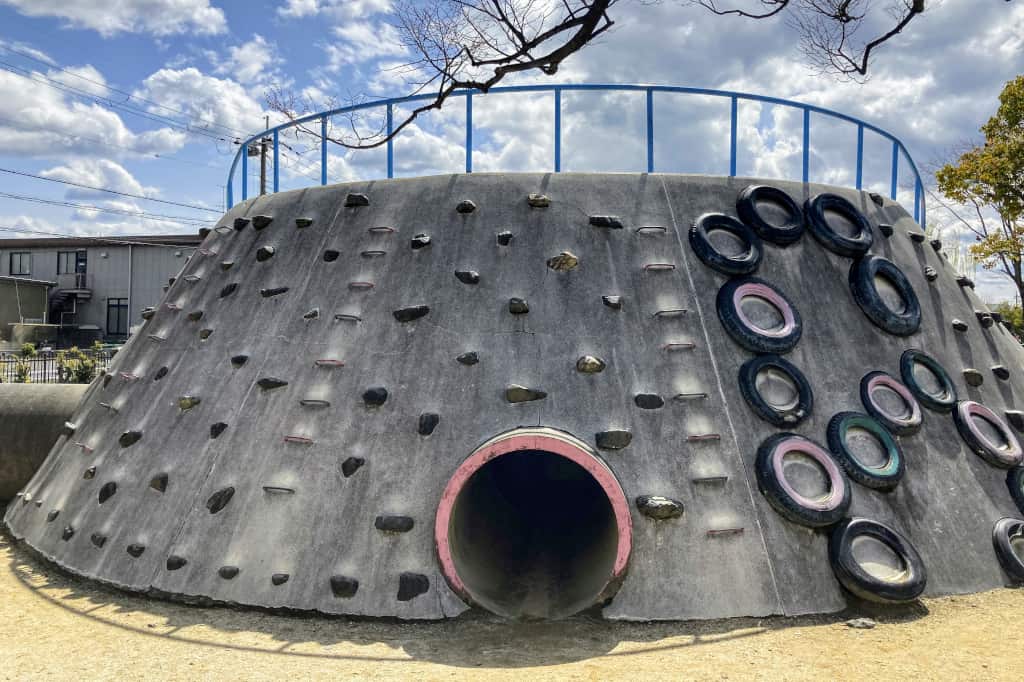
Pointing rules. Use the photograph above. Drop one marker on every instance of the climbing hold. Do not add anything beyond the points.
(613, 302)
(314, 402)
(886, 229)
(264, 253)
(936, 244)
(521, 394)
(959, 325)
(659, 507)
(261, 221)
(877, 198)
(428, 422)
(228, 290)
(159, 483)
(220, 499)
(240, 223)
(467, 276)
(420, 241)
(373, 253)
(984, 318)
(1001, 372)
(187, 402)
(279, 578)
(505, 238)
(239, 360)
(147, 313)
(204, 232)
(411, 313)
(469, 358)
(98, 539)
(973, 377)
(518, 306)
(270, 293)
(917, 237)
(965, 281)
(465, 206)
(129, 438)
(69, 532)
(312, 314)
(1016, 419)
(68, 429)
(393, 523)
(351, 465)
(270, 383)
(175, 562)
(353, 200)
(997, 317)
(344, 587)
(227, 572)
(54, 513)
(89, 473)
(195, 316)
(135, 550)
(589, 364)
(303, 222)
(217, 429)
(648, 401)
(205, 333)
(331, 255)
(610, 221)
(613, 440)
(375, 396)
(412, 585)
(563, 262)
(538, 201)
(107, 491)
(226, 265)
(930, 274)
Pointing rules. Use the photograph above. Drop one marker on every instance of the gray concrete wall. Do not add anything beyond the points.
(946, 504)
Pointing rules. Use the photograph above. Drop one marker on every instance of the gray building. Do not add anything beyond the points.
(101, 285)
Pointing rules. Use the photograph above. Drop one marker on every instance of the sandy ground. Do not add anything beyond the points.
(53, 626)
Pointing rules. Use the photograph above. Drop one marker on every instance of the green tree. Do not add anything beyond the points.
(989, 181)
(28, 350)
(1013, 316)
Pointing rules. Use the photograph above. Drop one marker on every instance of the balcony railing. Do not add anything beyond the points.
(651, 93)
(74, 280)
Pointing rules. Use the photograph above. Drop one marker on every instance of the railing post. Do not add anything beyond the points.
(469, 131)
(650, 130)
(245, 171)
(558, 130)
(895, 168)
(807, 145)
(230, 198)
(733, 114)
(860, 156)
(917, 202)
(323, 150)
(277, 165)
(391, 146)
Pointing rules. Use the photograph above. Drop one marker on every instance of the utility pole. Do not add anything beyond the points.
(263, 158)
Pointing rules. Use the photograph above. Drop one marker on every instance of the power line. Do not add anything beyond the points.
(110, 191)
(182, 220)
(107, 240)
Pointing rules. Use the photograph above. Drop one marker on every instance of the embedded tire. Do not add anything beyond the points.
(885, 477)
(817, 222)
(944, 403)
(781, 418)
(1015, 482)
(861, 583)
(744, 331)
(899, 425)
(700, 242)
(865, 292)
(791, 505)
(783, 235)
(963, 416)
(1003, 535)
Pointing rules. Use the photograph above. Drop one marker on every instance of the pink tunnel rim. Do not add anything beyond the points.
(1013, 454)
(518, 441)
(763, 291)
(837, 484)
(882, 380)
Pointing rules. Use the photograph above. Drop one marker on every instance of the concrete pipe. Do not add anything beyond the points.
(32, 416)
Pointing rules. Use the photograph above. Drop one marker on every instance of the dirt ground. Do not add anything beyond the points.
(55, 626)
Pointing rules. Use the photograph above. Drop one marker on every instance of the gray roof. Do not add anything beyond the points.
(184, 240)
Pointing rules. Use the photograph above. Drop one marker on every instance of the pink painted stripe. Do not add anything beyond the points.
(886, 381)
(767, 293)
(1013, 454)
(812, 450)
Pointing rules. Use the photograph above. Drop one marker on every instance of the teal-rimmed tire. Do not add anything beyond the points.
(884, 477)
(942, 401)
(1015, 482)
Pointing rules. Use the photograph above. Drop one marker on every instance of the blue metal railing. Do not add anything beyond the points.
(323, 117)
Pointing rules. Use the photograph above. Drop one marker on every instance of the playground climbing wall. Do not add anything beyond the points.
(540, 393)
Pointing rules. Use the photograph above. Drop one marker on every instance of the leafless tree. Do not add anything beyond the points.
(458, 44)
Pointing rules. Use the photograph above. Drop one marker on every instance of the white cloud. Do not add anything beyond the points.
(362, 41)
(110, 17)
(254, 61)
(98, 173)
(207, 99)
(299, 8)
(339, 9)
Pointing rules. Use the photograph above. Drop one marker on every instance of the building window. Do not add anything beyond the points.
(117, 316)
(21, 263)
(69, 262)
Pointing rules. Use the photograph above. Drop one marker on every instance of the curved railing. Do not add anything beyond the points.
(735, 98)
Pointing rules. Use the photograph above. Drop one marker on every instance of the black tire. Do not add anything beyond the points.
(783, 235)
(975, 440)
(901, 426)
(863, 584)
(786, 418)
(1015, 482)
(885, 477)
(743, 331)
(1003, 535)
(944, 403)
(787, 502)
(851, 247)
(701, 244)
(865, 293)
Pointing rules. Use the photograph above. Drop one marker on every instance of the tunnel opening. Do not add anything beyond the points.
(533, 534)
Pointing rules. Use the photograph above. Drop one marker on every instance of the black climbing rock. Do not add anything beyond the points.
(135, 550)
(658, 507)
(375, 396)
(331, 255)
(228, 289)
(428, 422)
(965, 281)
(959, 325)
(264, 253)
(468, 276)
(344, 587)
(1016, 419)
(240, 223)
(129, 438)
(227, 572)
(394, 524)
(521, 394)
(984, 318)
(412, 585)
(936, 244)
(159, 483)
(354, 200)
(52, 516)
(973, 377)
(613, 440)
(468, 358)
(195, 316)
(420, 241)
(107, 491)
(239, 360)
(279, 578)
(613, 302)
(220, 499)
(217, 429)
(175, 562)
(930, 274)
(505, 238)
(1001, 372)
(611, 221)
(98, 539)
(68, 429)
(411, 313)
(877, 198)
(89, 473)
(590, 364)
(147, 313)
(917, 237)
(275, 291)
(68, 533)
(226, 265)
(270, 383)
(205, 333)
(261, 221)
(311, 314)
(204, 232)
(538, 201)
(303, 222)
(518, 306)
(648, 401)
(465, 206)
(886, 229)
(351, 465)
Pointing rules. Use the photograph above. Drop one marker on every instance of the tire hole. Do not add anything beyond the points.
(806, 476)
(878, 559)
(762, 313)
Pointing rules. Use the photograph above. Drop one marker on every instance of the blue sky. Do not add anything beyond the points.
(195, 72)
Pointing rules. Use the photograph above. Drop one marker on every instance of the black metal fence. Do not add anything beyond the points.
(44, 367)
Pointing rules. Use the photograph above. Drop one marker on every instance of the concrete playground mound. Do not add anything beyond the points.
(670, 397)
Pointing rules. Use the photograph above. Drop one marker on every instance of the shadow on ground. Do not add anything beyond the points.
(475, 639)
